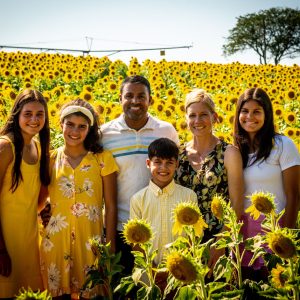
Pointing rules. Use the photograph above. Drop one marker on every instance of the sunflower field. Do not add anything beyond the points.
(63, 77)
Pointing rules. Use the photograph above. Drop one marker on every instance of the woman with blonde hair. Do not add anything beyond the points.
(209, 165)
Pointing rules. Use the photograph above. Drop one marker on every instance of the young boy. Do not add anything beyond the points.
(156, 202)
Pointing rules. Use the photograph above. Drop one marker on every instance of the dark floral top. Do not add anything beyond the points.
(209, 180)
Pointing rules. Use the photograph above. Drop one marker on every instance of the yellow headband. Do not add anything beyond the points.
(74, 109)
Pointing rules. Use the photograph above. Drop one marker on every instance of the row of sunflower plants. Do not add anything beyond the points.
(185, 268)
(62, 77)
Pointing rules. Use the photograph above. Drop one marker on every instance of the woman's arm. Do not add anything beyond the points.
(234, 167)
(110, 200)
(43, 195)
(291, 182)
(6, 155)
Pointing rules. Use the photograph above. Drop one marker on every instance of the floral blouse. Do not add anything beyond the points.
(210, 179)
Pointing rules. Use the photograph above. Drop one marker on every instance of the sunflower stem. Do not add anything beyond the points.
(237, 249)
(203, 288)
(149, 266)
(295, 286)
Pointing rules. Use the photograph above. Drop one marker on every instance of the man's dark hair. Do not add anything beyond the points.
(136, 79)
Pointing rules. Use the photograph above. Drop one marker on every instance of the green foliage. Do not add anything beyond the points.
(143, 276)
(101, 273)
(272, 34)
(56, 138)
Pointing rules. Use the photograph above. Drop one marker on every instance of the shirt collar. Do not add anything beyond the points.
(169, 189)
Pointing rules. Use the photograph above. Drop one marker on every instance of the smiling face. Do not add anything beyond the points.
(162, 170)
(32, 118)
(75, 129)
(135, 100)
(200, 119)
(252, 117)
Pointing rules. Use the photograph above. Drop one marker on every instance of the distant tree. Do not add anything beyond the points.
(273, 34)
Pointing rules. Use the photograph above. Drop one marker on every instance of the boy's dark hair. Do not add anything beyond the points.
(136, 79)
(163, 148)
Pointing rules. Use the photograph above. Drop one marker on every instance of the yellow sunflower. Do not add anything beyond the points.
(290, 94)
(182, 267)
(137, 232)
(281, 243)
(290, 118)
(290, 132)
(262, 202)
(279, 276)
(188, 214)
(278, 111)
(217, 206)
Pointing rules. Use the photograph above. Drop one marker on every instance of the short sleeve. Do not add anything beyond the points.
(174, 136)
(290, 155)
(107, 163)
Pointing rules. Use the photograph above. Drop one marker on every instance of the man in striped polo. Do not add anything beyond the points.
(128, 138)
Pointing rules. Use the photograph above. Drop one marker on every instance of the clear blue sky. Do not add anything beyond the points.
(114, 24)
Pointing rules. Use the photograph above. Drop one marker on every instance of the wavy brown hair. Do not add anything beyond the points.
(12, 129)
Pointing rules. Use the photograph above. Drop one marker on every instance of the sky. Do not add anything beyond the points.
(132, 24)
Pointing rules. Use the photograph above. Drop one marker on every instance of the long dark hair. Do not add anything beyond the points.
(264, 138)
(93, 138)
(12, 129)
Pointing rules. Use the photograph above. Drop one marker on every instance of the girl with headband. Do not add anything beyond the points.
(82, 176)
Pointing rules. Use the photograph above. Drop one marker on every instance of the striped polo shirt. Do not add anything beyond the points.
(130, 150)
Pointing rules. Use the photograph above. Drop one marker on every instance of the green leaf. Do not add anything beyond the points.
(136, 275)
(186, 293)
(223, 268)
(125, 286)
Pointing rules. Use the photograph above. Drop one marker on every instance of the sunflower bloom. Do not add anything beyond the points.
(217, 204)
(261, 203)
(188, 214)
(279, 276)
(137, 232)
(181, 267)
(281, 244)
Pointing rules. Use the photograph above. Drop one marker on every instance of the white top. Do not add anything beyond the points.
(130, 150)
(156, 206)
(267, 175)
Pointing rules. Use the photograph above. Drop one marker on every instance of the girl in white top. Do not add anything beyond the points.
(271, 161)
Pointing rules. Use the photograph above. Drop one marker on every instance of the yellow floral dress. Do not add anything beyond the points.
(76, 197)
(209, 180)
(19, 221)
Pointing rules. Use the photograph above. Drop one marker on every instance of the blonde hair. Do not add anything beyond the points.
(199, 96)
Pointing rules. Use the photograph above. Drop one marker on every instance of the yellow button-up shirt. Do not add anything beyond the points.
(156, 206)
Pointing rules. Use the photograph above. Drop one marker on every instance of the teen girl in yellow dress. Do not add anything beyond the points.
(82, 176)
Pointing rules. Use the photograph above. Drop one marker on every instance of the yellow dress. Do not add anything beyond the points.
(76, 197)
(18, 213)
